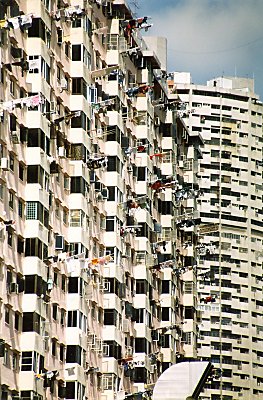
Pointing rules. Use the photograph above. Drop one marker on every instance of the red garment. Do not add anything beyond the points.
(140, 149)
(156, 185)
(156, 155)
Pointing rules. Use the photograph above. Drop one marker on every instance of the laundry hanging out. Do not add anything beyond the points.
(99, 161)
(208, 299)
(7, 224)
(133, 24)
(163, 183)
(187, 193)
(24, 64)
(142, 89)
(159, 155)
(22, 21)
(140, 202)
(70, 13)
(99, 73)
(102, 105)
(32, 101)
(128, 229)
(205, 249)
(187, 223)
(67, 117)
(137, 149)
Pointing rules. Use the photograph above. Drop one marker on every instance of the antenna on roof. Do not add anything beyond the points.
(135, 6)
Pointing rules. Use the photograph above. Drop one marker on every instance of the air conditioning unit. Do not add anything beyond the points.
(13, 287)
(15, 137)
(59, 242)
(63, 84)
(153, 369)
(105, 193)
(125, 326)
(4, 164)
(157, 121)
(181, 164)
(129, 169)
(91, 339)
(53, 107)
(62, 152)
(129, 351)
(98, 186)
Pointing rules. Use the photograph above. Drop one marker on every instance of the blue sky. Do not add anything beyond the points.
(210, 38)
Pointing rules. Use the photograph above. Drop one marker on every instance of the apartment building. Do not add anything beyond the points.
(228, 115)
(97, 256)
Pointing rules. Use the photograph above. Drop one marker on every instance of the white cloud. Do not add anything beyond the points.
(210, 37)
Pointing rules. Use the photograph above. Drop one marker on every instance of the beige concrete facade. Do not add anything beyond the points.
(97, 286)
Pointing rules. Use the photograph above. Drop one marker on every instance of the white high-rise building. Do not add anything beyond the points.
(228, 115)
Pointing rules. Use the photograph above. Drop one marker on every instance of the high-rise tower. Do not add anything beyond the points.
(228, 115)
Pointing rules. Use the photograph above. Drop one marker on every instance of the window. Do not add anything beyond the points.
(73, 354)
(31, 210)
(61, 352)
(2, 190)
(108, 381)
(72, 318)
(6, 361)
(17, 321)
(11, 200)
(79, 86)
(11, 162)
(27, 361)
(141, 174)
(15, 360)
(78, 185)
(53, 347)
(141, 345)
(77, 218)
(36, 210)
(10, 234)
(76, 52)
(67, 49)
(39, 29)
(35, 248)
(12, 87)
(57, 209)
(165, 313)
(62, 316)
(70, 390)
(140, 315)
(114, 164)
(187, 337)
(110, 317)
(86, 57)
(110, 224)
(21, 171)
(35, 174)
(33, 64)
(20, 245)
(45, 70)
(31, 322)
(7, 315)
(63, 283)
(165, 286)
(141, 286)
(37, 138)
(20, 208)
(55, 312)
(80, 121)
(73, 284)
